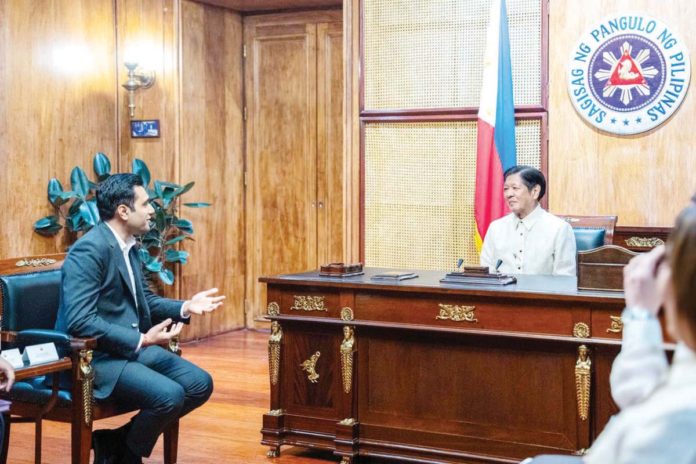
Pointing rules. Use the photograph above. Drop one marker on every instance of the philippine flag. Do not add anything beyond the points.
(495, 147)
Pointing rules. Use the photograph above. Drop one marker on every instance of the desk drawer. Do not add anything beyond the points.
(306, 302)
(472, 313)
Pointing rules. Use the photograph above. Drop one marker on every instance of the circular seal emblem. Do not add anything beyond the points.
(628, 74)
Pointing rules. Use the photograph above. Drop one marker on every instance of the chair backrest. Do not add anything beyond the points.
(30, 292)
(602, 268)
(591, 231)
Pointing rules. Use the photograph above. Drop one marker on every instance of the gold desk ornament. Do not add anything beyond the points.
(346, 314)
(581, 330)
(347, 358)
(457, 313)
(273, 309)
(87, 379)
(274, 351)
(310, 365)
(308, 303)
(346, 460)
(583, 369)
(347, 421)
(36, 262)
(644, 242)
(616, 325)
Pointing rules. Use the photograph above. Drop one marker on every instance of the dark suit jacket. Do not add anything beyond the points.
(96, 301)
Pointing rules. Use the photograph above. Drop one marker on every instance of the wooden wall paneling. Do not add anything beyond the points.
(56, 107)
(329, 142)
(212, 155)
(147, 34)
(644, 179)
(351, 130)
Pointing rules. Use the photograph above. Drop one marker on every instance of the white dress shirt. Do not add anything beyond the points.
(657, 422)
(541, 243)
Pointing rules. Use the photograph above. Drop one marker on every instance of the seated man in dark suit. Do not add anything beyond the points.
(105, 295)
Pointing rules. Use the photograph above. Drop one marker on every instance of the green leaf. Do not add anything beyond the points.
(198, 204)
(184, 225)
(90, 213)
(75, 207)
(187, 187)
(102, 166)
(160, 220)
(79, 182)
(174, 256)
(47, 226)
(140, 168)
(166, 276)
(154, 266)
(176, 240)
(54, 190)
(167, 191)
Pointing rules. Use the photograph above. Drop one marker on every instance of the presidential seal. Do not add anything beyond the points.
(628, 74)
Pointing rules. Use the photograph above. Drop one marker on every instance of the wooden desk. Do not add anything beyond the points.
(419, 371)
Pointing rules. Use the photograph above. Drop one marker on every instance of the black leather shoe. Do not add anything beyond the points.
(105, 444)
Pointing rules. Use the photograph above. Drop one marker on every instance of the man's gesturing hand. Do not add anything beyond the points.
(203, 302)
(161, 333)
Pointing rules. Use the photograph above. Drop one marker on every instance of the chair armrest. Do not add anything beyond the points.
(8, 336)
(34, 336)
(64, 342)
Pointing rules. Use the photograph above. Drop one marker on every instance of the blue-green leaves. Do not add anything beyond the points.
(140, 168)
(77, 209)
(102, 166)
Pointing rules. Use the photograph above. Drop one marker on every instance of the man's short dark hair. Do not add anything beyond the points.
(530, 176)
(117, 189)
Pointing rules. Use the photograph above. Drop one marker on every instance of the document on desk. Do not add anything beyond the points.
(394, 275)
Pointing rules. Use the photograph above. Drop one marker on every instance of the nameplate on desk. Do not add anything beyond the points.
(14, 357)
(394, 276)
(40, 354)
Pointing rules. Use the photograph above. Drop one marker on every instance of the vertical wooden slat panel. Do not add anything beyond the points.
(56, 107)
(330, 142)
(212, 155)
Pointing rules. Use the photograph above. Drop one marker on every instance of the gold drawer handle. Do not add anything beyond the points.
(308, 303)
(616, 325)
(457, 313)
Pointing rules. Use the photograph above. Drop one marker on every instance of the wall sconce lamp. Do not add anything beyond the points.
(137, 79)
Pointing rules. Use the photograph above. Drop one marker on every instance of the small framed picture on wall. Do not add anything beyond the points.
(144, 128)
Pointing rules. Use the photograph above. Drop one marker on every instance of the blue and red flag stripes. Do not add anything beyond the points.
(495, 148)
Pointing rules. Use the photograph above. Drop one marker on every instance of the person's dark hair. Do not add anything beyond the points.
(117, 189)
(530, 176)
(681, 249)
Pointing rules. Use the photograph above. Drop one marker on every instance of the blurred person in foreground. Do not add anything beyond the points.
(657, 422)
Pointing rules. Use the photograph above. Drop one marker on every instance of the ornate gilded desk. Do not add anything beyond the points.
(419, 371)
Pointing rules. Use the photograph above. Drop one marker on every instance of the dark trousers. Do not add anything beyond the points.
(164, 387)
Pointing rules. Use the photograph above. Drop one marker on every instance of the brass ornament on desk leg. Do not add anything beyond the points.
(581, 330)
(347, 358)
(273, 309)
(583, 369)
(274, 351)
(346, 314)
(274, 452)
(616, 325)
(310, 365)
(457, 313)
(308, 303)
(644, 242)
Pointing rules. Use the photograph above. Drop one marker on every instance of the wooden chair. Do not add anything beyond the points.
(591, 231)
(30, 299)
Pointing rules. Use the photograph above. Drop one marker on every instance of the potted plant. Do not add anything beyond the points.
(76, 211)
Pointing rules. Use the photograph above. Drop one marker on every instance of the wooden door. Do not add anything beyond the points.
(284, 127)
